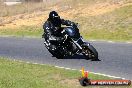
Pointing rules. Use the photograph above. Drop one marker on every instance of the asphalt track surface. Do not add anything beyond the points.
(116, 58)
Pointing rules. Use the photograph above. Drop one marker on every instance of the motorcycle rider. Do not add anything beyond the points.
(52, 29)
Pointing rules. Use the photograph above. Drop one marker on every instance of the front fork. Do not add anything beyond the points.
(80, 42)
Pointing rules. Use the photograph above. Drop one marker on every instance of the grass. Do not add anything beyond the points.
(24, 31)
(115, 25)
(15, 74)
(28, 7)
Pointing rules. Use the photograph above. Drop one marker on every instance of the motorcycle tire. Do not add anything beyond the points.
(90, 52)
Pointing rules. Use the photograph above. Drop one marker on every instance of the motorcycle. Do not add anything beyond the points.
(73, 44)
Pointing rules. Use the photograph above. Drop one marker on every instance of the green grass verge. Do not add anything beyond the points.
(24, 31)
(115, 25)
(14, 74)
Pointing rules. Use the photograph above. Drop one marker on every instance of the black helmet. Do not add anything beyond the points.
(54, 17)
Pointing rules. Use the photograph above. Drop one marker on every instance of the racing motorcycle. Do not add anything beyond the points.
(73, 44)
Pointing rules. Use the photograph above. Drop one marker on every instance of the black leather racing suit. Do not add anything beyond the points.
(52, 30)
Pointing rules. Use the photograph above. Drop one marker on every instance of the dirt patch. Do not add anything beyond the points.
(22, 19)
(70, 82)
(93, 10)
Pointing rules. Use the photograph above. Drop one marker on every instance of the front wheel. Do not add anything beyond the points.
(90, 52)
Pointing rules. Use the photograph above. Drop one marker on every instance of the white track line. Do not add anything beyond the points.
(107, 75)
(93, 40)
(93, 73)
(128, 42)
(72, 69)
(110, 41)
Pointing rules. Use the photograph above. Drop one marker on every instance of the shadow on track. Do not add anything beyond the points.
(75, 57)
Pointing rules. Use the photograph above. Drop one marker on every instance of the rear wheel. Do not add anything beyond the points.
(90, 52)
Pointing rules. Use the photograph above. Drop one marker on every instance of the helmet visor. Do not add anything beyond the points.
(56, 18)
